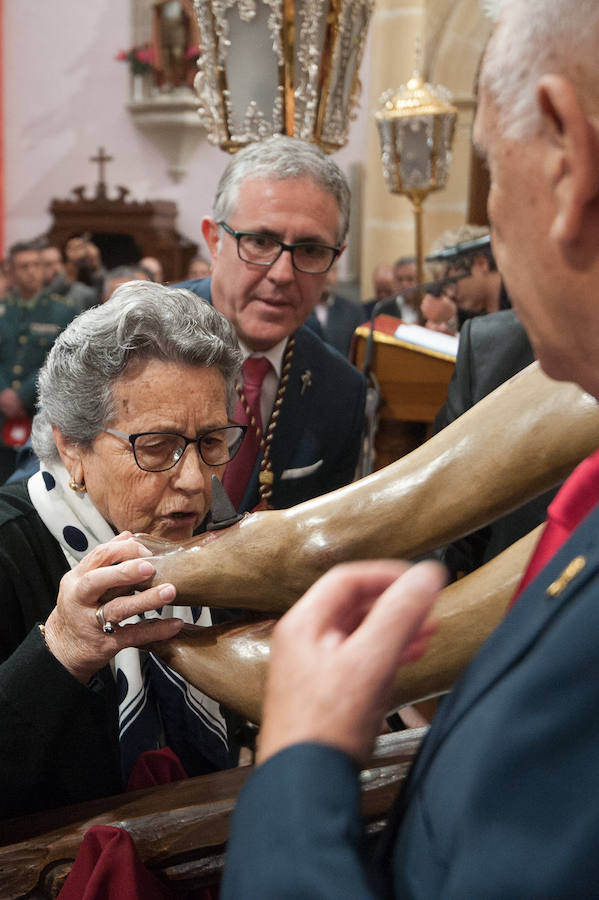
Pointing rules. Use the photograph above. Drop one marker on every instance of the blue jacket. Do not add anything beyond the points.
(502, 801)
(316, 443)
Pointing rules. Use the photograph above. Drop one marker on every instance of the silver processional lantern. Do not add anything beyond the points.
(279, 67)
(416, 126)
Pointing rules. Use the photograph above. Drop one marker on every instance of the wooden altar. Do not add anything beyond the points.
(413, 382)
(125, 230)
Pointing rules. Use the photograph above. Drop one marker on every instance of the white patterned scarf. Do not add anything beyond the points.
(157, 707)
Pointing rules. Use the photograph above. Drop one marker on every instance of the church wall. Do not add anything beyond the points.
(65, 96)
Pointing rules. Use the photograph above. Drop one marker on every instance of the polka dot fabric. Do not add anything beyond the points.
(75, 538)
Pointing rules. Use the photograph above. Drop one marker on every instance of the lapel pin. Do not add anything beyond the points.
(306, 379)
(570, 572)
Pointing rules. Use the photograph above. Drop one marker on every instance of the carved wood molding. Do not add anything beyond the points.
(180, 829)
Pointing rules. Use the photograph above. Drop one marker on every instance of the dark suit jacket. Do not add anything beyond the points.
(492, 349)
(502, 800)
(343, 319)
(316, 443)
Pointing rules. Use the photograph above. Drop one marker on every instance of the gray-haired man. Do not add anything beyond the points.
(501, 801)
(280, 218)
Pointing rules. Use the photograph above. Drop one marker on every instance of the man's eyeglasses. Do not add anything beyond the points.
(157, 451)
(263, 250)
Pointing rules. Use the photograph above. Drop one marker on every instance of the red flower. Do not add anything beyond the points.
(140, 59)
(145, 54)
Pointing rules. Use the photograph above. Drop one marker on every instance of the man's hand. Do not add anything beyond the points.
(335, 653)
(439, 313)
(11, 404)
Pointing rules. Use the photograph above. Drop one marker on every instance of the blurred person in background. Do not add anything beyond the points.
(335, 318)
(154, 267)
(57, 281)
(31, 317)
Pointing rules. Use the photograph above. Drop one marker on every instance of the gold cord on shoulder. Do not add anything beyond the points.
(266, 476)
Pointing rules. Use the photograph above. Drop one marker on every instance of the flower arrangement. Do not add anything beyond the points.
(141, 59)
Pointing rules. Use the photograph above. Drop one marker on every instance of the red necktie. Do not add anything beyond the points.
(574, 500)
(240, 468)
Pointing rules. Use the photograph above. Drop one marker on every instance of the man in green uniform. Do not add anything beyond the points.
(30, 319)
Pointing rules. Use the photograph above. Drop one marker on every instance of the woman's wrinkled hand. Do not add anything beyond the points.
(73, 631)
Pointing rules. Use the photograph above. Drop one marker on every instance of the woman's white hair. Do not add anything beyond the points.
(533, 38)
(142, 320)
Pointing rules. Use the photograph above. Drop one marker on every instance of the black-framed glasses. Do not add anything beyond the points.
(461, 268)
(157, 451)
(264, 250)
(444, 286)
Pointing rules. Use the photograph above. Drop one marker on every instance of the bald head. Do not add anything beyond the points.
(383, 279)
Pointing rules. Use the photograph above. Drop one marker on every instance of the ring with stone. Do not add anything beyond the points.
(107, 627)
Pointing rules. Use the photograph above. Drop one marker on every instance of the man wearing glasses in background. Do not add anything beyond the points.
(475, 289)
(279, 222)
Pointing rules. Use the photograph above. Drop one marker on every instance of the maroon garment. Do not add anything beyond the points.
(239, 470)
(575, 500)
(156, 767)
(108, 867)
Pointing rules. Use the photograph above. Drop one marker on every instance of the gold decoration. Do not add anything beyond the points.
(416, 125)
(265, 476)
(78, 486)
(570, 572)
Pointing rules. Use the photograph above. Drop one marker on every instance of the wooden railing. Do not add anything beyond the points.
(180, 829)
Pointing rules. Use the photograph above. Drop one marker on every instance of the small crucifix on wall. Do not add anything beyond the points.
(101, 158)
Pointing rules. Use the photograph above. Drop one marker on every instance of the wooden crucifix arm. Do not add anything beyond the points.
(521, 440)
(229, 662)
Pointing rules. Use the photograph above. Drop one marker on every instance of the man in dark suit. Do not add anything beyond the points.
(279, 222)
(492, 349)
(501, 801)
(472, 286)
(335, 318)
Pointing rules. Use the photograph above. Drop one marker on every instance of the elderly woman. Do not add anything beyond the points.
(133, 422)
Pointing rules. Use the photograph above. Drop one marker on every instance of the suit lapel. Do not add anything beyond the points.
(340, 327)
(510, 641)
(335, 320)
(292, 418)
(566, 573)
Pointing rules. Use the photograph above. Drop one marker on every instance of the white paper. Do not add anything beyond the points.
(426, 337)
